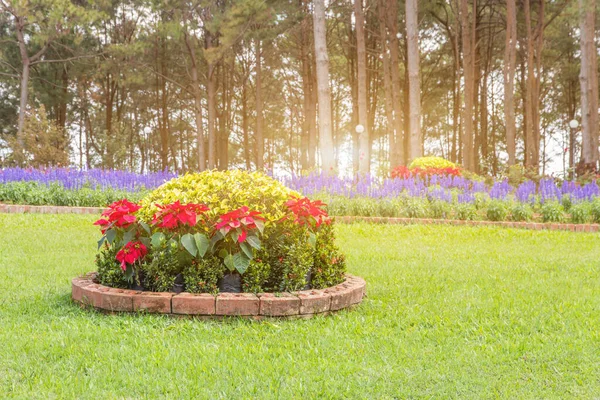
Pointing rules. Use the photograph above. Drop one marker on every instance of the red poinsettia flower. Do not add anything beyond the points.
(242, 218)
(130, 253)
(307, 212)
(175, 215)
(119, 214)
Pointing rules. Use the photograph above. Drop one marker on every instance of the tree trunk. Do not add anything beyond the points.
(308, 105)
(469, 78)
(323, 91)
(414, 80)
(364, 142)
(589, 87)
(197, 103)
(260, 142)
(392, 25)
(387, 83)
(510, 62)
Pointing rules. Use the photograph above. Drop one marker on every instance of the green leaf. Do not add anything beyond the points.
(223, 253)
(202, 244)
(312, 239)
(254, 242)
(214, 240)
(241, 262)
(145, 226)
(247, 250)
(235, 234)
(111, 234)
(260, 225)
(128, 236)
(145, 241)
(189, 243)
(128, 272)
(101, 241)
(157, 239)
(229, 262)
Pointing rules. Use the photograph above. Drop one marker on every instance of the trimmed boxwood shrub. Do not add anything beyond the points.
(198, 228)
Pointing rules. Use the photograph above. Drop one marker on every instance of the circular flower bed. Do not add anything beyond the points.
(219, 231)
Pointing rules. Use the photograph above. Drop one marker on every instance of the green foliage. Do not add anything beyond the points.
(496, 210)
(415, 208)
(202, 275)
(109, 269)
(38, 194)
(46, 144)
(431, 162)
(521, 212)
(329, 263)
(161, 266)
(440, 209)
(363, 207)
(580, 213)
(595, 211)
(222, 191)
(465, 212)
(552, 211)
(258, 275)
(386, 208)
(566, 202)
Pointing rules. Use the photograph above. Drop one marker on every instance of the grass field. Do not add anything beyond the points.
(452, 312)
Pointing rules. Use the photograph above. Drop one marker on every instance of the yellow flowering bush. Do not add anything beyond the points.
(431, 162)
(222, 192)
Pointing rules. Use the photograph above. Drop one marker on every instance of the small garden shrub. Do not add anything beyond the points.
(580, 213)
(439, 209)
(415, 208)
(521, 212)
(196, 229)
(595, 211)
(465, 212)
(496, 210)
(552, 211)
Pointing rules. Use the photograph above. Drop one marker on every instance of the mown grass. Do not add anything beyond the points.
(452, 312)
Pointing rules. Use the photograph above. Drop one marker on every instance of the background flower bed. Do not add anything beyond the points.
(452, 197)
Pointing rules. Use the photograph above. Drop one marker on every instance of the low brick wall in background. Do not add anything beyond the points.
(302, 304)
(504, 224)
(14, 208)
(20, 209)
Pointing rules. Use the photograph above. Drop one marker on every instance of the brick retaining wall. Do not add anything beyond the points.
(303, 304)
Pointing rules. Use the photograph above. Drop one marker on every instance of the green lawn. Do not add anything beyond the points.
(452, 312)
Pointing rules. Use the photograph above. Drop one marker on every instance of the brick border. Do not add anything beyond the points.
(19, 209)
(552, 226)
(301, 304)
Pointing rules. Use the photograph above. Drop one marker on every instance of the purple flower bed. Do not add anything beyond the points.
(72, 179)
(441, 188)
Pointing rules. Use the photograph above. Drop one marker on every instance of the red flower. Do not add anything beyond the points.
(241, 218)
(175, 215)
(119, 214)
(308, 212)
(130, 253)
(401, 172)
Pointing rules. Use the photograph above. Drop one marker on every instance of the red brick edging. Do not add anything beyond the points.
(20, 209)
(505, 224)
(15, 208)
(303, 304)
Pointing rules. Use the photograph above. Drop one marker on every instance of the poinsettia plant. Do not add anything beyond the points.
(236, 234)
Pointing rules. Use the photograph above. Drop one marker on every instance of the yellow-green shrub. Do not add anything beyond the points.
(431, 162)
(222, 191)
